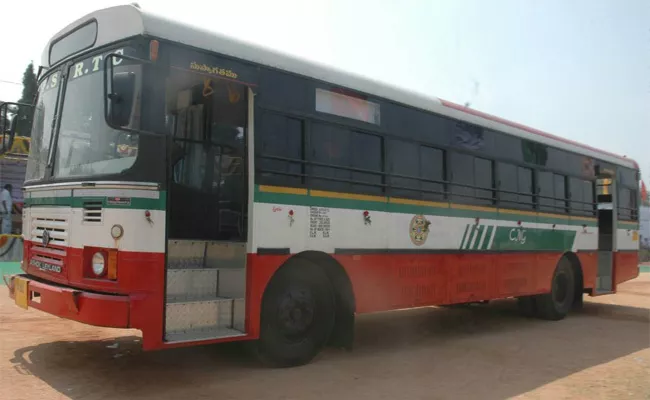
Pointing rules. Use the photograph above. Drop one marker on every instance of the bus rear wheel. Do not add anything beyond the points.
(555, 305)
(297, 316)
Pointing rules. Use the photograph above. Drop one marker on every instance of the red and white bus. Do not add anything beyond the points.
(203, 190)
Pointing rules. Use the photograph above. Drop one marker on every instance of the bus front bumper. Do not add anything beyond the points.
(106, 310)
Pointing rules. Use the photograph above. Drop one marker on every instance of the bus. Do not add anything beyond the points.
(202, 189)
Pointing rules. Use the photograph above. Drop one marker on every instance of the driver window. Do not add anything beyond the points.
(207, 119)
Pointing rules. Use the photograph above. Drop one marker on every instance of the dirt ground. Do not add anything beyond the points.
(484, 352)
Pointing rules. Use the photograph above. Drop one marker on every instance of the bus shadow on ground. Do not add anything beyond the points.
(487, 352)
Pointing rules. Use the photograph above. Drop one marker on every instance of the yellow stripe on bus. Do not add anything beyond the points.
(628, 223)
(282, 189)
(584, 218)
(518, 212)
(472, 208)
(348, 196)
(398, 200)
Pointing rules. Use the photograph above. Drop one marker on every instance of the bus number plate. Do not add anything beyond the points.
(21, 292)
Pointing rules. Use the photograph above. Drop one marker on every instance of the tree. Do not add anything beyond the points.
(30, 87)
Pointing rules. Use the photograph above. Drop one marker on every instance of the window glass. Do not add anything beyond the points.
(633, 205)
(624, 200)
(41, 134)
(546, 191)
(508, 147)
(279, 136)
(560, 193)
(403, 160)
(577, 195)
(508, 185)
(484, 181)
(77, 40)
(573, 165)
(627, 177)
(462, 173)
(627, 204)
(557, 158)
(525, 187)
(366, 154)
(534, 152)
(432, 168)
(468, 136)
(588, 197)
(330, 146)
(86, 145)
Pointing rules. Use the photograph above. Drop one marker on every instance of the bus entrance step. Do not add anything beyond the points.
(205, 283)
(205, 318)
(203, 334)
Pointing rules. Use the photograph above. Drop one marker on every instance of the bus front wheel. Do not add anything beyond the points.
(297, 316)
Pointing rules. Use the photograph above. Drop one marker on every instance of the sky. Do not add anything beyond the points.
(579, 69)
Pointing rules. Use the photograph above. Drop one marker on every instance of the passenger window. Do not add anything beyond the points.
(508, 185)
(330, 152)
(588, 197)
(462, 177)
(627, 204)
(576, 203)
(280, 150)
(484, 181)
(560, 193)
(366, 155)
(432, 168)
(546, 191)
(404, 167)
(525, 187)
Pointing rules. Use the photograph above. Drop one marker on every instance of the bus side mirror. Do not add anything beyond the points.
(120, 99)
(119, 91)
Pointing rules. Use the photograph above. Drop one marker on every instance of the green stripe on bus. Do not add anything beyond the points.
(470, 237)
(462, 242)
(507, 238)
(134, 203)
(488, 236)
(477, 238)
(387, 206)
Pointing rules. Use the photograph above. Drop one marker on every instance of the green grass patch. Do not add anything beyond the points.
(7, 268)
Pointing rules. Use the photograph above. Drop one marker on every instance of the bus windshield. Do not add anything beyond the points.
(86, 145)
(42, 127)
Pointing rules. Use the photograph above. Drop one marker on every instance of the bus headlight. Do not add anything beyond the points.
(117, 231)
(99, 264)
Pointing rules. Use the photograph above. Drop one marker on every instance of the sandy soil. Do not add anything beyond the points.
(484, 352)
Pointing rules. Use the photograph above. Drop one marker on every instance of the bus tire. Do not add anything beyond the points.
(297, 315)
(555, 305)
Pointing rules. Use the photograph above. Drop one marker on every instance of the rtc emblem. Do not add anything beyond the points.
(419, 230)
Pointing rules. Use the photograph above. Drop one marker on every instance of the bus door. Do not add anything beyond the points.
(208, 207)
(607, 217)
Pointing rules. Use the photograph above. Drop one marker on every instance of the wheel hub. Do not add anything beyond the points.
(296, 312)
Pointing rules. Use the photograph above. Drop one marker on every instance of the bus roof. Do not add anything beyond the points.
(117, 23)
